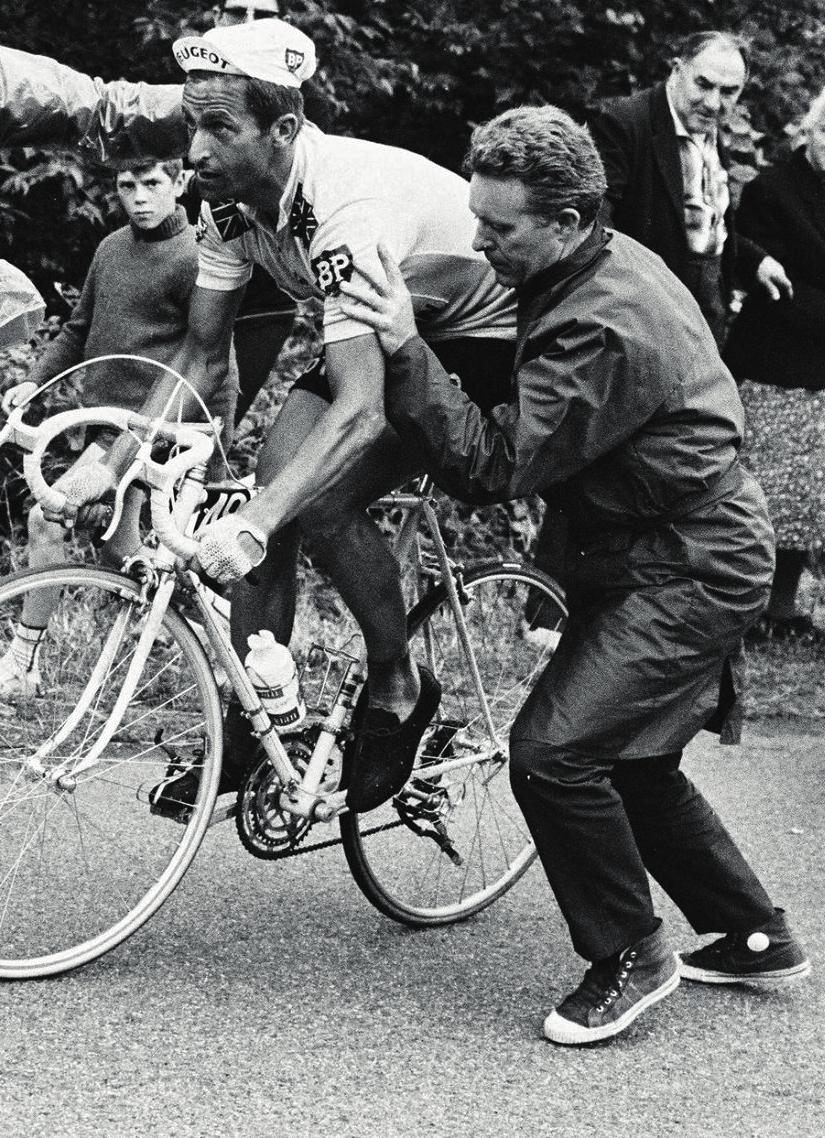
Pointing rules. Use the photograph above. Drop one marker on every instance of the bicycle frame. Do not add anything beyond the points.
(160, 568)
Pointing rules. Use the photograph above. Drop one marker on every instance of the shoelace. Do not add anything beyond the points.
(617, 987)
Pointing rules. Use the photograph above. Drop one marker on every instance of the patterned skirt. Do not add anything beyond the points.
(784, 448)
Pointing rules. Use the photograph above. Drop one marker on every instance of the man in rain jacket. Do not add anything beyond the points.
(624, 418)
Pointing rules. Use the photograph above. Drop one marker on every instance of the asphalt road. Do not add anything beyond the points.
(271, 1000)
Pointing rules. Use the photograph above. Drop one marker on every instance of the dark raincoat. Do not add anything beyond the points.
(623, 418)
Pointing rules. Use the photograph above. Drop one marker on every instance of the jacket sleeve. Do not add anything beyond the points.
(762, 218)
(67, 348)
(44, 103)
(568, 410)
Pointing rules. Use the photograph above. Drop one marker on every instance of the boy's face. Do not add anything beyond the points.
(148, 197)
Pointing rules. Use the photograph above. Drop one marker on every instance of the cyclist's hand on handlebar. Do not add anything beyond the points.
(18, 394)
(230, 547)
(80, 486)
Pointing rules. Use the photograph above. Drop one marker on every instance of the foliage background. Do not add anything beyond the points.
(418, 73)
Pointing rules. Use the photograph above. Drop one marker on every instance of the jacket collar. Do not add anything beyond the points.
(548, 280)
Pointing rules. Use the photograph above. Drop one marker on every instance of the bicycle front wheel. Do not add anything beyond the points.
(83, 861)
(454, 840)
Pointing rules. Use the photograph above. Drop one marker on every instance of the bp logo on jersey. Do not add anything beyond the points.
(330, 267)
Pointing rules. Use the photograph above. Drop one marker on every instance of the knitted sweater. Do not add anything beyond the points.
(135, 300)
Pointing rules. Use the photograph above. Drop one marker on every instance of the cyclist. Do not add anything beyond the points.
(135, 300)
(304, 204)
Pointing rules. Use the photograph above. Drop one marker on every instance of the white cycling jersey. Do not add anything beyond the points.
(343, 197)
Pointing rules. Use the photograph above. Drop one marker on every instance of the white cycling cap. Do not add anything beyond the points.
(263, 49)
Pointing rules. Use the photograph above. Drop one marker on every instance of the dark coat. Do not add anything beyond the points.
(623, 416)
(783, 342)
(645, 197)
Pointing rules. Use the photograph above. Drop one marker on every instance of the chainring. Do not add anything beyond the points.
(265, 830)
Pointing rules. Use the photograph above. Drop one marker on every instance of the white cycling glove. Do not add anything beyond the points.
(81, 485)
(230, 547)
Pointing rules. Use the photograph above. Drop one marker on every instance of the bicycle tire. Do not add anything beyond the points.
(514, 616)
(82, 869)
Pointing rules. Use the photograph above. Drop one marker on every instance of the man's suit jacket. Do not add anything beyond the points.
(637, 140)
(783, 342)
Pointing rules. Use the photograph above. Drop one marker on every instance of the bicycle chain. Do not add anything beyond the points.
(294, 851)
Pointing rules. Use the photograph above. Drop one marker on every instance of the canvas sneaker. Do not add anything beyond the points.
(766, 955)
(614, 992)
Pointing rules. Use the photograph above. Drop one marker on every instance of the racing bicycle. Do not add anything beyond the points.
(126, 697)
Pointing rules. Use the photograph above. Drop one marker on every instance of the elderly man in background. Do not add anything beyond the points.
(623, 417)
(667, 181)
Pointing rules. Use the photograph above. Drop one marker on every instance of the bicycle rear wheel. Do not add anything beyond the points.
(84, 865)
(452, 842)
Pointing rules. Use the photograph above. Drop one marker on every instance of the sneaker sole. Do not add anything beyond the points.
(564, 1031)
(757, 979)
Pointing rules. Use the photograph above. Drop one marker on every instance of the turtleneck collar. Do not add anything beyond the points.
(175, 223)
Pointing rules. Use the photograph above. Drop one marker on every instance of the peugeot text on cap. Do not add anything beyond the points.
(264, 49)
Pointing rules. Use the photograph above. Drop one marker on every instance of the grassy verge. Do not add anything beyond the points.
(786, 681)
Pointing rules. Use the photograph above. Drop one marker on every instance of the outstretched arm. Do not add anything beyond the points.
(45, 103)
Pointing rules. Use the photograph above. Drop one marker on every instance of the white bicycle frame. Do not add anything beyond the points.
(176, 490)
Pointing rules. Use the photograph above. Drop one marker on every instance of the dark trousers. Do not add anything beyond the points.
(703, 276)
(601, 826)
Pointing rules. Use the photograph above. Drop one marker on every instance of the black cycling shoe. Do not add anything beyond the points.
(176, 793)
(384, 750)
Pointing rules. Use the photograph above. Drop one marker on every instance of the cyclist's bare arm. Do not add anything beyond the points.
(203, 361)
(355, 418)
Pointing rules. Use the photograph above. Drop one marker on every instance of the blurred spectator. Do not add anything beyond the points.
(778, 351)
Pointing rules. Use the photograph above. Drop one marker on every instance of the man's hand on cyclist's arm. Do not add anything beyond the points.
(384, 303)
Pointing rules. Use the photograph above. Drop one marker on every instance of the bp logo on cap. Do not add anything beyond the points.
(293, 59)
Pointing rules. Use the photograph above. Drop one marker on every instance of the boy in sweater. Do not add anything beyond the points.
(135, 300)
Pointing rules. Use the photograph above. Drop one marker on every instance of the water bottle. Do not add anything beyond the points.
(272, 670)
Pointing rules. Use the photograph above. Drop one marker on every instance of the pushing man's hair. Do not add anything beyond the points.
(551, 154)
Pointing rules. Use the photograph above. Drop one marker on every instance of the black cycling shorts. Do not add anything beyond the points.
(484, 366)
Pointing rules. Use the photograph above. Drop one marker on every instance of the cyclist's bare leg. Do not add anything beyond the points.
(347, 541)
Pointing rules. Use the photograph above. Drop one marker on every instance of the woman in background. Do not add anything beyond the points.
(776, 350)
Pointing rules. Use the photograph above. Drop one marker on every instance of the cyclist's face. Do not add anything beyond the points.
(516, 243)
(148, 197)
(705, 89)
(231, 155)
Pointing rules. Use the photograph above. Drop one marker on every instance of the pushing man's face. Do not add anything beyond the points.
(231, 155)
(516, 243)
(148, 197)
(705, 89)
